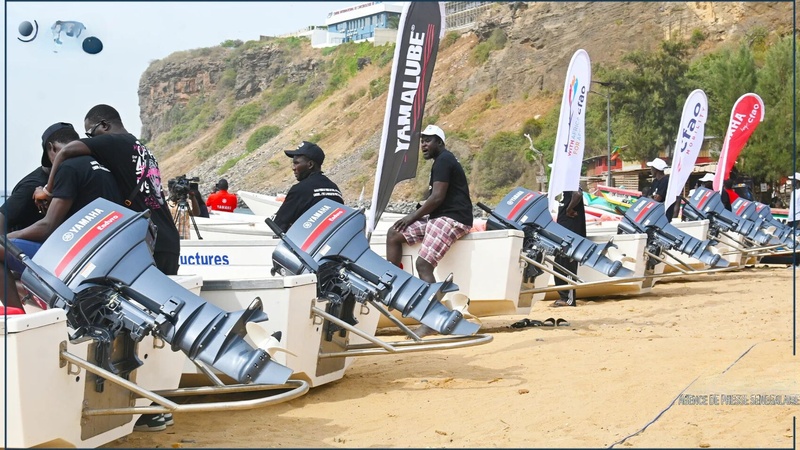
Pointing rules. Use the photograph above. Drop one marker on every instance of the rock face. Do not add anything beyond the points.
(543, 36)
(522, 80)
(175, 83)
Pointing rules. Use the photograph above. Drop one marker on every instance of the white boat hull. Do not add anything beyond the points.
(260, 204)
(486, 265)
(46, 396)
(288, 302)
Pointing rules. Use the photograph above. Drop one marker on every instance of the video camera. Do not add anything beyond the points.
(183, 185)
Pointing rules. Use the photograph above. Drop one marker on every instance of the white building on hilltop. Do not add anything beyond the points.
(377, 22)
(371, 21)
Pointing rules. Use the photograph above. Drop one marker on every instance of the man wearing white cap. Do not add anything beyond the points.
(707, 181)
(444, 217)
(658, 191)
(794, 202)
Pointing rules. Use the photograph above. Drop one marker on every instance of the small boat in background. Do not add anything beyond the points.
(260, 204)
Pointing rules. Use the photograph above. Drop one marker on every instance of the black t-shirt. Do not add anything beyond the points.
(19, 209)
(84, 180)
(129, 161)
(726, 199)
(660, 187)
(304, 195)
(457, 204)
(575, 224)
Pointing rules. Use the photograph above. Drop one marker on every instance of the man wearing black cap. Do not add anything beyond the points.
(138, 178)
(79, 182)
(222, 200)
(137, 174)
(312, 184)
(19, 210)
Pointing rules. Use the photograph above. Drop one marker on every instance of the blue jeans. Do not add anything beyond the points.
(29, 248)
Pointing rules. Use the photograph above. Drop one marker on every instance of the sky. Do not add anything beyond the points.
(47, 83)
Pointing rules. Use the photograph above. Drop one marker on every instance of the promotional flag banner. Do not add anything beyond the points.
(420, 28)
(687, 146)
(747, 113)
(570, 138)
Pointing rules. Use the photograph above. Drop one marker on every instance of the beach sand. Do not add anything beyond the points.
(624, 365)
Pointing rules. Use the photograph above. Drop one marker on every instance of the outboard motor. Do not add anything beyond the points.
(527, 211)
(707, 204)
(782, 233)
(648, 216)
(98, 267)
(329, 240)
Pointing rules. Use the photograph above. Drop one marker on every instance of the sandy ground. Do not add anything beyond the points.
(624, 373)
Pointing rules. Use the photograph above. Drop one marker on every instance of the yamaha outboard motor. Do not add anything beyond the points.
(707, 204)
(98, 267)
(782, 233)
(527, 211)
(329, 240)
(647, 216)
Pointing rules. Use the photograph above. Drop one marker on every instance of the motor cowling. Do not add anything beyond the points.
(528, 210)
(331, 234)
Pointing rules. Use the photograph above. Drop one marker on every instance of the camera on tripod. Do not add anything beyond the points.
(182, 185)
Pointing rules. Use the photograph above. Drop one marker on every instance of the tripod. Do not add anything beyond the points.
(182, 218)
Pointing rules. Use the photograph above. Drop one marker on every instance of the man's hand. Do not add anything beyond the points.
(403, 223)
(41, 198)
(572, 213)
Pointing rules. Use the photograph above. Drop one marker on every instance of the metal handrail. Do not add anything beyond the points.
(296, 388)
(381, 347)
(572, 284)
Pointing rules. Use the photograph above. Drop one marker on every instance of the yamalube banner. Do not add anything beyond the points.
(746, 114)
(570, 138)
(687, 146)
(421, 26)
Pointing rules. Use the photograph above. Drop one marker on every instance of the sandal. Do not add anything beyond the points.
(521, 324)
(562, 322)
(561, 302)
(549, 322)
(524, 323)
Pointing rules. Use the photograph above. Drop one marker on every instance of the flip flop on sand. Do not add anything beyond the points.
(559, 303)
(562, 322)
(549, 322)
(524, 323)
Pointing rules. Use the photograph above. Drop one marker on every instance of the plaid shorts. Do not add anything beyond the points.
(437, 235)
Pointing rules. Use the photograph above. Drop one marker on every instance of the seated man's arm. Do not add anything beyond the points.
(71, 150)
(293, 206)
(41, 230)
(433, 201)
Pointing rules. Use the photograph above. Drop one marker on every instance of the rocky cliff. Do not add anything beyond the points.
(186, 98)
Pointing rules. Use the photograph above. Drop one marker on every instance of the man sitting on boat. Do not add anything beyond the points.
(79, 182)
(444, 217)
(312, 185)
(20, 210)
(658, 191)
(136, 171)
